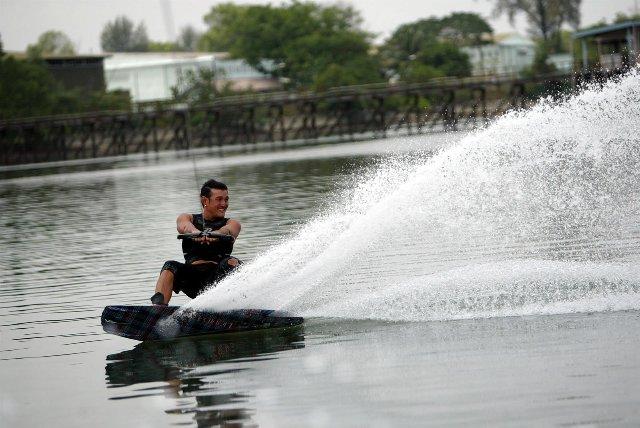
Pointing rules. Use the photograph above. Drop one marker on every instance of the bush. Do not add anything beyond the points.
(27, 89)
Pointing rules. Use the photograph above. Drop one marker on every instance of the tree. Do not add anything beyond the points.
(546, 17)
(51, 43)
(417, 72)
(222, 19)
(360, 70)
(187, 42)
(162, 47)
(428, 48)
(188, 39)
(540, 65)
(300, 40)
(200, 86)
(446, 58)
(465, 29)
(623, 17)
(409, 39)
(27, 89)
(122, 36)
(459, 28)
(309, 56)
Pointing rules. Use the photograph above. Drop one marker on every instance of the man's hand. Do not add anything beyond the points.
(207, 236)
(205, 239)
(230, 231)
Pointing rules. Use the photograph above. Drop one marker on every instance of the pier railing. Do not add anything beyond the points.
(349, 113)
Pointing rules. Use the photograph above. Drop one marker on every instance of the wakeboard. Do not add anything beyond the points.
(166, 322)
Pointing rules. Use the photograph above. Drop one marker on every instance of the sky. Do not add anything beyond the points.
(22, 21)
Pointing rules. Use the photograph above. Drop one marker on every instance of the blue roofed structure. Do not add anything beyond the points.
(611, 47)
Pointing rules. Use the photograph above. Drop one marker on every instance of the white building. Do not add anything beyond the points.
(510, 54)
(149, 76)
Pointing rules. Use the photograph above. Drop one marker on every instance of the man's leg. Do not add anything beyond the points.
(166, 282)
(164, 286)
(226, 266)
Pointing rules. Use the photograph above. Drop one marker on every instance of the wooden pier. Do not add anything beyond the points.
(350, 113)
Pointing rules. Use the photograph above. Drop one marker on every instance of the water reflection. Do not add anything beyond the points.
(188, 370)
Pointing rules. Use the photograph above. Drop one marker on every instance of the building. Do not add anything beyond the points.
(608, 48)
(84, 72)
(150, 76)
(510, 54)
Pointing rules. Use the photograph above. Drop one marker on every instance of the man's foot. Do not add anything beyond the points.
(158, 299)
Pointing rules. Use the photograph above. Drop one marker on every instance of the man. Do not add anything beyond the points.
(207, 259)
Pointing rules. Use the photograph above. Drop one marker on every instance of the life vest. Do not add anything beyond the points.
(213, 251)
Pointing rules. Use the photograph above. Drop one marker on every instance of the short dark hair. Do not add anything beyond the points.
(212, 184)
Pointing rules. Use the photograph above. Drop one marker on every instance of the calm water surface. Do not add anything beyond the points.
(76, 238)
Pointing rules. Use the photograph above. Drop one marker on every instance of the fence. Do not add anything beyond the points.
(349, 113)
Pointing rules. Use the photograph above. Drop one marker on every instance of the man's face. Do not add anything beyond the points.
(218, 202)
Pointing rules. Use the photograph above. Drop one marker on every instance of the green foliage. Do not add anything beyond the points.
(446, 58)
(221, 19)
(305, 41)
(122, 36)
(566, 39)
(602, 23)
(201, 86)
(80, 101)
(51, 43)
(465, 29)
(27, 89)
(623, 17)
(541, 64)
(188, 39)
(428, 48)
(459, 28)
(417, 72)
(619, 18)
(354, 72)
(308, 57)
(187, 42)
(409, 39)
(162, 47)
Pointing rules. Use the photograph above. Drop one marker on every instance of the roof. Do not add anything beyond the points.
(149, 59)
(70, 57)
(23, 55)
(606, 29)
(515, 40)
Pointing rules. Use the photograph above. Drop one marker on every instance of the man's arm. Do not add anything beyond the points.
(184, 224)
(231, 228)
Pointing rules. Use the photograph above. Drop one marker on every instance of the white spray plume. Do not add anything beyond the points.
(536, 214)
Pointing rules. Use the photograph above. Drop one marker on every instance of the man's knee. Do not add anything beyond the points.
(171, 266)
(228, 265)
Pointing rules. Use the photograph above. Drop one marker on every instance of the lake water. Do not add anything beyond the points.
(483, 279)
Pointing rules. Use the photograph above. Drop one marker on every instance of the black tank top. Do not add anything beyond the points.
(214, 251)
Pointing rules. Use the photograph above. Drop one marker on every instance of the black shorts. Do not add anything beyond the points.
(194, 279)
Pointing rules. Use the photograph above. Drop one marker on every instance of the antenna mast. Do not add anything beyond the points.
(168, 19)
